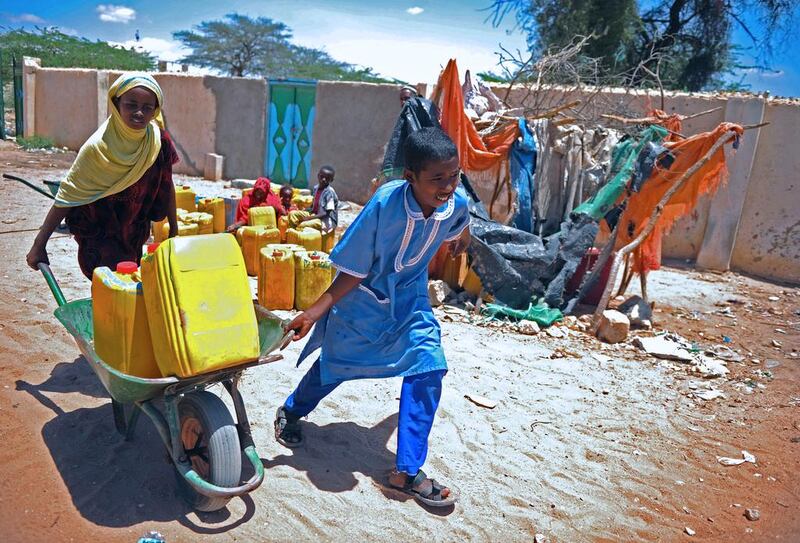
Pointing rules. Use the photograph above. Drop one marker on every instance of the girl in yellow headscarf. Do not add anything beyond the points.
(120, 181)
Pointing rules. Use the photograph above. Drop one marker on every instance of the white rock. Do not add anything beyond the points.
(660, 347)
(555, 331)
(614, 326)
(529, 328)
(437, 292)
(689, 531)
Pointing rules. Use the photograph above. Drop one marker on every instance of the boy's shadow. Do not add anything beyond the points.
(112, 482)
(331, 455)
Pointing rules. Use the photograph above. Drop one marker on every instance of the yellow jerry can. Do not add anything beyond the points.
(312, 276)
(216, 208)
(307, 237)
(119, 317)
(276, 277)
(199, 305)
(254, 238)
(185, 198)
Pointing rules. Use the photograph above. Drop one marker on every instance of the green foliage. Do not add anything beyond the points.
(35, 142)
(58, 50)
(686, 44)
(491, 77)
(239, 46)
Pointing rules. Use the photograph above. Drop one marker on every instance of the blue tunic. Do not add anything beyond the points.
(385, 327)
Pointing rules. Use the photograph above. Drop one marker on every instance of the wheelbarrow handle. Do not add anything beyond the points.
(52, 283)
(29, 184)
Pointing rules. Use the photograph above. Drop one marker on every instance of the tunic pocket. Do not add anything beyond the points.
(366, 313)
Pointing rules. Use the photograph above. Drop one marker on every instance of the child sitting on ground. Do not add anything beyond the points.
(322, 215)
(375, 320)
(261, 195)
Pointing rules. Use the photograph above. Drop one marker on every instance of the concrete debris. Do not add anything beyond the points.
(709, 367)
(664, 347)
(614, 326)
(639, 312)
(752, 514)
(602, 358)
(437, 292)
(708, 395)
(555, 331)
(529, 328)
(746, 457)
(724, 352)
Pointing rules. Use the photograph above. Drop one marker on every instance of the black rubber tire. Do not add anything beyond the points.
(221, 439)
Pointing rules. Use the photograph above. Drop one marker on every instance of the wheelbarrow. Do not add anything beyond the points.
(203, 442)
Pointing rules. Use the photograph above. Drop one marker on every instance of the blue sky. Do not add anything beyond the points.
(410, 40)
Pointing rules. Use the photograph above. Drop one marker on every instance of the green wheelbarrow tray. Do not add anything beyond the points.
(141, 393)
(76, 316)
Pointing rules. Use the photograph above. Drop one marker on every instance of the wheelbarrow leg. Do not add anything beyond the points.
(119, 417)
(132, 420)
(242, 423)
(125, 425)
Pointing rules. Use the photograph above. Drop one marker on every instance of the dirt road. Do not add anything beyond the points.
(588, 442)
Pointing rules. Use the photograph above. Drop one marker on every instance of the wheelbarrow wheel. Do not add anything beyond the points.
(211, 443)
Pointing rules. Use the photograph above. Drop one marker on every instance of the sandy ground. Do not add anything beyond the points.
(580, 447)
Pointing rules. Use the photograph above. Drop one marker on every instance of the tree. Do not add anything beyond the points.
(685, 44)
(236, 45)
(240, 45)
(60, 50)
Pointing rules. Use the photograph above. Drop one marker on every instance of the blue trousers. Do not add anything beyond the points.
(419, 399)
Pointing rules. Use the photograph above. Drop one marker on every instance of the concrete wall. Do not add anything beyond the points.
(759, 233)
(768, 239)
(203, 115)
(66, 105)
(352, 125)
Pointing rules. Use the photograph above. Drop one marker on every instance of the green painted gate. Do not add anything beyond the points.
(290, 121)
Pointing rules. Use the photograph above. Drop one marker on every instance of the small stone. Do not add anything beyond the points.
(637, 310)
(606, 391)
(773, 298)
(540, 538)
(689, 531)
(614, 326)
(555, 331)
(437, 292)
(752, 514)
(529, 328)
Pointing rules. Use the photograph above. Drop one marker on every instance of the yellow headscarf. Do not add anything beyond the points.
(115, 156)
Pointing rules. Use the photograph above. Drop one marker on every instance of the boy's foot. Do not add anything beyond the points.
(287, 429)
(428, 491)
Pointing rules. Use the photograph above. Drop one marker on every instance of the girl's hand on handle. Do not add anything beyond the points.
(36, 255)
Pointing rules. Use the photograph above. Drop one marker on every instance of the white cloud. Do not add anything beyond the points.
(168, 50)
(110, 13)
(26, 18)
(416, 10)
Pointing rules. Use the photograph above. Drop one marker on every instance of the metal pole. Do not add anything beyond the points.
(17, 72)
(2, 102)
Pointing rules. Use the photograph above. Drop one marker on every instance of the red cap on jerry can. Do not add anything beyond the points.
(151, 247)
(127, 267)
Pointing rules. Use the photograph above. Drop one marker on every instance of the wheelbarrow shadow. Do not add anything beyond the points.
(331, 455)
(113, 482)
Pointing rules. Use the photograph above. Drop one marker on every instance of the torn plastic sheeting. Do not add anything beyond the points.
(746, 457)
(539, 313)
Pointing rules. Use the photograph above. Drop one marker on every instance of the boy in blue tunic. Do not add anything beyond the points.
(375, 320)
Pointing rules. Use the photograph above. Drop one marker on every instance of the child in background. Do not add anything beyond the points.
(286, 194)
(323, 214)
(375, 320)
(261, 195)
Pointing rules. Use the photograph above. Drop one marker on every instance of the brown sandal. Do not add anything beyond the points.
(428, 491)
